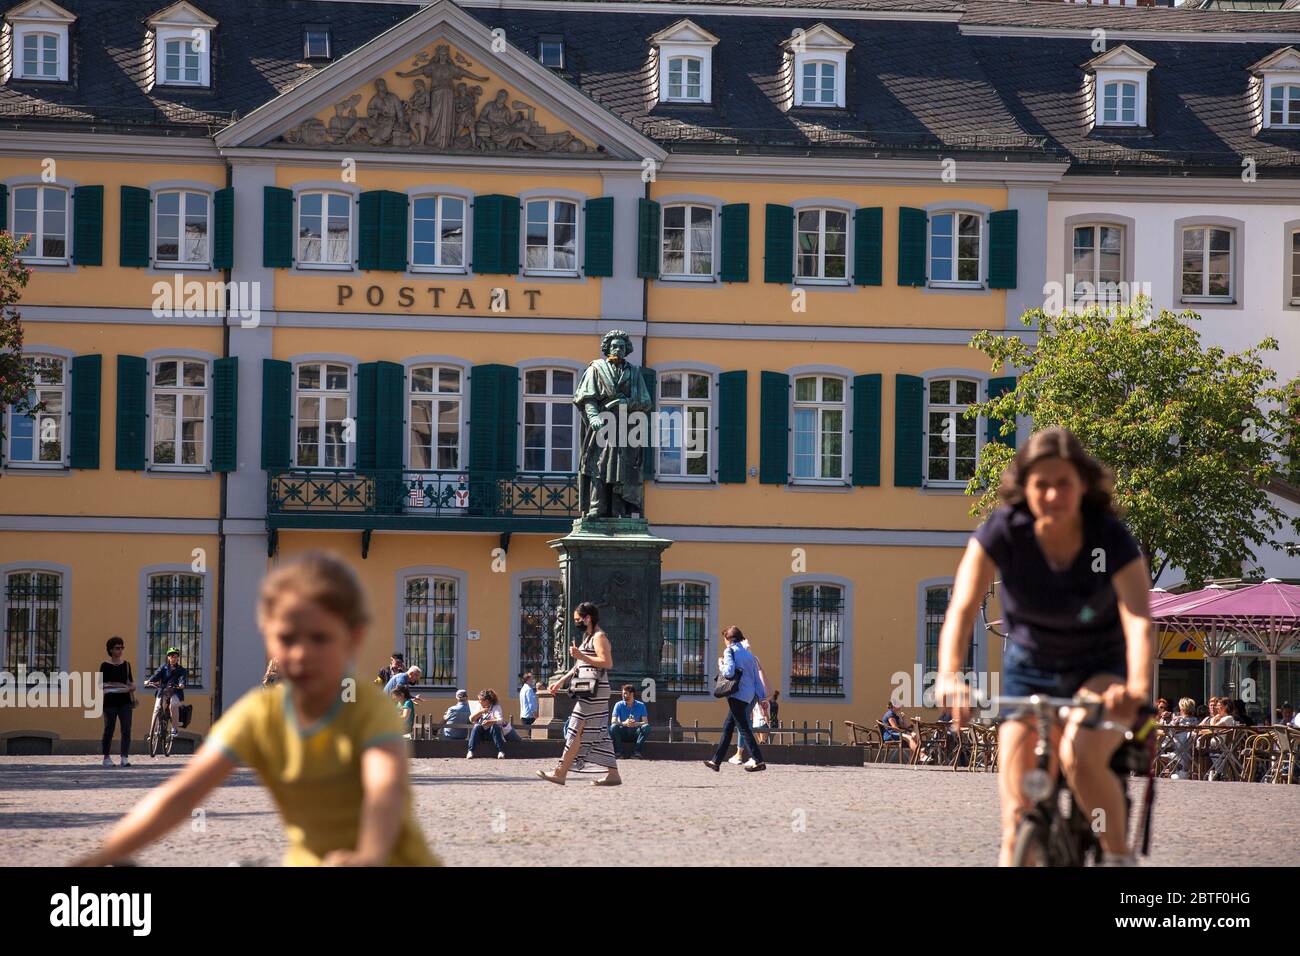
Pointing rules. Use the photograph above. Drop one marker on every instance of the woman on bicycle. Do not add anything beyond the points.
(1074, 594)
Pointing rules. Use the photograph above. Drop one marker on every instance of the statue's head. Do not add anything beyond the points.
(616, 341)
(381, 85)
(501, 97)
(442, 52)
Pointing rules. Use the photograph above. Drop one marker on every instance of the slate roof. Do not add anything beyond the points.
(915, 87)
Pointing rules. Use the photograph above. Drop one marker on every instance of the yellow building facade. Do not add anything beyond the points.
(387, 370)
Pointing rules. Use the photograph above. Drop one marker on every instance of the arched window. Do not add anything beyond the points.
(41, 214)
(684, 78)
(684, 621)
(820, 86)
(180, 413)
(324, 229)
(685, 424)
(33, 621)
(434, 413)
(551, 239)
(40, 56)
(952, 437)
(821, 247)
(438, 233)
(430, 625)
(37, 438)
(182, 224)
(816, 639)
(323, 408)
(175, 619)
(1119, 103)
(956, 247)
(540, 606)
(819, 413)
(687, 241)
(549, 432)
(1284, 105)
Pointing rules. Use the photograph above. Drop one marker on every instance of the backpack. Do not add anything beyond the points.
(187, 712)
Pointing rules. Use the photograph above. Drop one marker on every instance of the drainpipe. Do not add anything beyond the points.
(219, 642)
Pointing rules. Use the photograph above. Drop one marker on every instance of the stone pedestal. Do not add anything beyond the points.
(616, 563)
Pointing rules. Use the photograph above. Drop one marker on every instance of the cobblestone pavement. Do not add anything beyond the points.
(496, 813)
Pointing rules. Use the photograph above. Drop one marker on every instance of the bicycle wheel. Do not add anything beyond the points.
(167, 739)
(1032, 845)
(155, 731)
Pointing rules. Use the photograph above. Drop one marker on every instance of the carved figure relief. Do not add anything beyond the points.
(441, 114)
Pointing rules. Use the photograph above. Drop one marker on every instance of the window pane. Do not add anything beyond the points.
(805, 389)
(832, 390)
(941, 391)
(670, 385)
(562, 382)
(967, 392)
(699, 386)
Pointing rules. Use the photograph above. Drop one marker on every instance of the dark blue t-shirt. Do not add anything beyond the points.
(889, 733)
(1060, 616)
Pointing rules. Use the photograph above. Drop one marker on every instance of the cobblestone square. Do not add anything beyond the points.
(496, 813)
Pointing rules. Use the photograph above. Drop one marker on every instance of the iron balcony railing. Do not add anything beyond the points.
(415, 495)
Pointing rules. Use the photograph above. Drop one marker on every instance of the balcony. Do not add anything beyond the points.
(410, 500)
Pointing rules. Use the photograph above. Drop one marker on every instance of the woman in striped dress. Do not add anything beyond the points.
(586, 735)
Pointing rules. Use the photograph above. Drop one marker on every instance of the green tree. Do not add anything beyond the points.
(1193, 434)
(17, 375)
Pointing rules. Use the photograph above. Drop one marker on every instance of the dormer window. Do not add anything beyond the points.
(182, 39)
(1275, 87)
(1119, 103)
(1118, 87)
(550, 52)
(817, 61)
(685, 54)
(316, 43)
(39, 41)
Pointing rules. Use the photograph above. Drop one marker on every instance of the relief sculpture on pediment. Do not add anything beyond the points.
(441, 114)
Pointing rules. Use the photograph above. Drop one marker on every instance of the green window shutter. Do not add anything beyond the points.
(367, 416)
(132, 399)
(732, 412)
(493, 418)
(87, 376)
(1003, 248)
(225, 414)
(997, 387)
(223, 231)
(390, 383)
(647, 239)
(4, 207)
(496, 235)
(277, 404)
(909, 415)
(774, 428)
(911, 246)
(277, 229)
(394, 217)
(368, 230)
(735, 242)
(866, 429)
(598, 242)
(650, 453)
(778, 244)
(868, 245)
(88, 225)
(134, 231)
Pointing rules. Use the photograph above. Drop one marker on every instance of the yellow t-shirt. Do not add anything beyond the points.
(314, 773)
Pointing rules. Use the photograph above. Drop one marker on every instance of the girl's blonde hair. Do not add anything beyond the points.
(322, 579)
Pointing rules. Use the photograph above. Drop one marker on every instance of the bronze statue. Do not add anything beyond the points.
(616, 431)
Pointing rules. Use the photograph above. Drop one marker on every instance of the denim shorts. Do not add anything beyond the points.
(1024, 673)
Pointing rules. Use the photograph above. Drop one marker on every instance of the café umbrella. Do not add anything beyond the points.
(1266, 615)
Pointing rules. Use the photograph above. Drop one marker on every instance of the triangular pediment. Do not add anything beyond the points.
(440, 83)
(181, 14)
(41, 11)
(684, 31)
(1285, 60)
(818, 37)
(1122, 57)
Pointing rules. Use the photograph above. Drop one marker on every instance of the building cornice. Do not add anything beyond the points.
(813, 13)
(448, 162)
(816, 168)
(1112, 34)
(1163, 189)
(108, 146)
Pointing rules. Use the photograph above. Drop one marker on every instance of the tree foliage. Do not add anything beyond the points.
(16, 374)
(1192, 433)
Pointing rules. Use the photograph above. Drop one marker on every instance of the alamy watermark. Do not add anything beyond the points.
(38, 689)
(917, 689)
(668, 428)
(192, 298)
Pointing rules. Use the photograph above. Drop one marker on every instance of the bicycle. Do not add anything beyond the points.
(1051, 836)
(159, 736)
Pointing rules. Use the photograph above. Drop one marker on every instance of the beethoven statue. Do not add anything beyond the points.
(615, 431)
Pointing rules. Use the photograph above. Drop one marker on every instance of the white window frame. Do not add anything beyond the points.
(542, 42)
(438, 267)
(551, 207)
(1120, 86)
(821, 278)
(801, 88)
(179, 261)
(1293, 270)
(1290, 86)
(548, 400)
(1204, 295)
(1095, 277)
(844, 633)
(954, 410)
(818, 44)
(956, 212)
(62, 608)
(180, 391)
(61, 421)
(60, 38)
(708, 663)
(1104, 77)
(682, 93)
(684, 39)
(38, 237)
(322, 393)
(165, 34)
(820, 405)
(434, 398)
(322, 263)
(458, 651)
(664, 404)
(687, 250)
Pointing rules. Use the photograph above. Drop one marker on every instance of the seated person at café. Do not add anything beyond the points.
(897, 725)
(629, 723)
